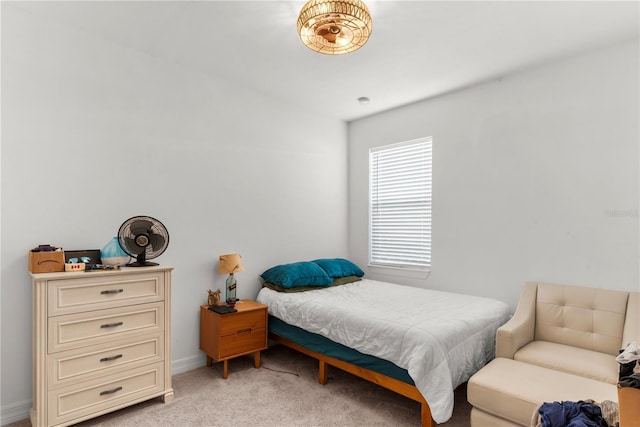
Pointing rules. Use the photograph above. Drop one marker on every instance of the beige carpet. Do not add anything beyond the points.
(285, 392)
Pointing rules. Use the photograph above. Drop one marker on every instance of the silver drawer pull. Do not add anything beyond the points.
(109, 359)
(112, 325)
(112, 291)
(102, 393)
(242, 331)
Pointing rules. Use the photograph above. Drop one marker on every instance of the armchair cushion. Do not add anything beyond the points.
(573, 360)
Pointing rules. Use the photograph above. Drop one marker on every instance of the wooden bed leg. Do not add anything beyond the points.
(425, 415)
(407, 390)
(322, 372)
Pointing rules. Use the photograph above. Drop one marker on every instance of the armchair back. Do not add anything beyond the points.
(588, 318)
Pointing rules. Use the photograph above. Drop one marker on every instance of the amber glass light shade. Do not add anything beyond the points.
(334, 27)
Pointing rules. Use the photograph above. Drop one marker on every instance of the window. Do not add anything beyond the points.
(400, 205)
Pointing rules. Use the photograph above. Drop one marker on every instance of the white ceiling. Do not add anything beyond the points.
(418, 49)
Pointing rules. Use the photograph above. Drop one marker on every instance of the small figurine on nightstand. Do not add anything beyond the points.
(214, 298)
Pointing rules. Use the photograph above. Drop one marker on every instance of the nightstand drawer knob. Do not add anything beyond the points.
(102, 393)
(242, 331)
(112, 325)
(109, 359)
(112, 291)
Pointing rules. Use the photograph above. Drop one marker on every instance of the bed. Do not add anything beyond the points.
(418, 342)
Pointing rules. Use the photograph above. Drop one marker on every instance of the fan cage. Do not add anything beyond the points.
(148, 227)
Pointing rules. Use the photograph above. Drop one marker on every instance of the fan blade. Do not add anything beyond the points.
(157, 241)
(327, 35)
(141, 226)
(133, 246)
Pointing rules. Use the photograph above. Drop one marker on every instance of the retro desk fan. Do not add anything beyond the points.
(143, 238)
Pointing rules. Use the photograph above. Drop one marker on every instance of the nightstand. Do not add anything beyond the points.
(225, 336)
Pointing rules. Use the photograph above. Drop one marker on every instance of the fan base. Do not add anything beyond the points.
(142, 264)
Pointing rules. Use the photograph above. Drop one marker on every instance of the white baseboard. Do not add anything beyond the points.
(187, 364)
(14, 412)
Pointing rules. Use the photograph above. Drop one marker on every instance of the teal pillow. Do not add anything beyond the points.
(297, 274)
(336, 282)
(339, 267)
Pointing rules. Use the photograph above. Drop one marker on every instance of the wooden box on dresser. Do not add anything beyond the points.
(101, 342)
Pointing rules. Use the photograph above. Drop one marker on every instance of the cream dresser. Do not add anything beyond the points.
(101, 341)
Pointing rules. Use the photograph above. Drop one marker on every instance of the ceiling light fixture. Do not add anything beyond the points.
(334, 27)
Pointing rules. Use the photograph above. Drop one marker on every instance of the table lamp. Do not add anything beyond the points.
(229, 264)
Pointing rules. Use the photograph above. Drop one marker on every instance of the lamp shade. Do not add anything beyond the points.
(231, 263)
(334, 27)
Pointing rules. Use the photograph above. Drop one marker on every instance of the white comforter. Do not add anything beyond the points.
(440, 338)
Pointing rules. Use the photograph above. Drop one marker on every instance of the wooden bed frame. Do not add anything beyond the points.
(402, 388)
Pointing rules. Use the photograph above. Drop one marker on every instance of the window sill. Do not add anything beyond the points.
(412, 272)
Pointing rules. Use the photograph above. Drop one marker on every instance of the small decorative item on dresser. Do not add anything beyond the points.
(229, 264)
(77, 266)
(89, 257)
(214, 298)
(46, 259)
(112, 253)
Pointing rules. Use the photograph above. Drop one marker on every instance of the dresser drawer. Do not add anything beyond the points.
(87, 398)
(89, 293)
(104, 359)
(243, 341)
(83, 329)
(231, 324)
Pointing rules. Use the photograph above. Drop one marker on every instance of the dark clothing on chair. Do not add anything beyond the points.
(571, 414)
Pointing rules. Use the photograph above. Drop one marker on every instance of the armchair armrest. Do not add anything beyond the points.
(519, 330)
(631, 331)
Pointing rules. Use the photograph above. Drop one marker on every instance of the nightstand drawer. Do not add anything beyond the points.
(232, 323)
(105, 359)
(90, 293)
(82, 399)
(82, 329)
(243, 341)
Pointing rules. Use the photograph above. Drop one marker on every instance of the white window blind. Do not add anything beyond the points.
(400, 204)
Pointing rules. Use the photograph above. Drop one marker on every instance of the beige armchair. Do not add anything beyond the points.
(561, 344)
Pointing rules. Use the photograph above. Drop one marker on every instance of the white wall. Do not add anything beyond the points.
(93, 133)
(535, 177)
